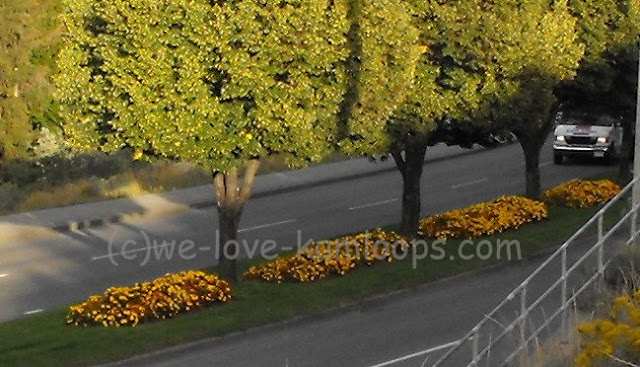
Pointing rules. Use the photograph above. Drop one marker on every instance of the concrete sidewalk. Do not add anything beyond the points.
(71, 218)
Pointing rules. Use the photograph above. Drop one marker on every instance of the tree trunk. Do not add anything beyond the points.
(230, 201)
(531, 148)
(410, 167)
(228, 218)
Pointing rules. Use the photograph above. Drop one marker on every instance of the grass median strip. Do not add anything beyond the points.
(45, 340)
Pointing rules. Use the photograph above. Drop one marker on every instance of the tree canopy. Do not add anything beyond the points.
(219, 84)
(477, 61)
(385, 53)
(503, 60)
(490, 63)
(494, 52)
(212, 83)
(608, 73)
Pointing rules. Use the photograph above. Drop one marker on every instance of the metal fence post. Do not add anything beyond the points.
(481, 354)
(600, 245)
(600, 226)
(635, 190)
(564, 290)
(475, 347)
(523, 313)
(634, 221)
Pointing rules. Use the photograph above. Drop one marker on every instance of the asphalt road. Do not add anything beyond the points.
(67, 267)
(407, 330)
(398, 332)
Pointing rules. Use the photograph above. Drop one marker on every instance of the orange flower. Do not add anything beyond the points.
(484, 219)
(163, 297)
(581, 193)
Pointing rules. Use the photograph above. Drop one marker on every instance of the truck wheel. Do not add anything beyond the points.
(558, 159)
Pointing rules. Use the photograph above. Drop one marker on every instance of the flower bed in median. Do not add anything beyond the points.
(484, 219)
(161, 298)
(338, 256)
(581, 193)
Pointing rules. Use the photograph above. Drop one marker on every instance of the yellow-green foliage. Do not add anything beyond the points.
(161, 298)
(213, 83)
(609, 29)
(484, 219)
(498, 59)
(339, 256)
(581, 193)
(617, 335)
(384, 65)
(28, 34)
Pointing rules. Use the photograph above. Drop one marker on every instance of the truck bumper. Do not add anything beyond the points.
(582, 151)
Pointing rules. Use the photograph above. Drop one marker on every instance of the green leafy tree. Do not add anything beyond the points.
(489, 63)
(220, 84)
(506, 58)
(608, 74)
(385, 66)
(27, 43)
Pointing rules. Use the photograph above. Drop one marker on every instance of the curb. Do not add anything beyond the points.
(376, 300)
(76, 225)
(73, 226)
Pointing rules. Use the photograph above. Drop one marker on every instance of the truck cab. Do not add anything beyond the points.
(583, 136)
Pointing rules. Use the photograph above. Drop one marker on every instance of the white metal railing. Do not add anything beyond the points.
(509, 330)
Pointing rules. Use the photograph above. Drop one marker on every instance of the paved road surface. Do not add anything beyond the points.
(375, 335)
(396, 332)
(67, 267)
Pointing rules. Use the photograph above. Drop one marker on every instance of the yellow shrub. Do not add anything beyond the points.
(161, 298)
(618, 335)
(339, 257)
(581, 193)
(484, 219)
(68, 194)
(83, 191)
(170, 176)
(122, 186)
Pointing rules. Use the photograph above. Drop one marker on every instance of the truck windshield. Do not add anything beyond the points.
(589, 120)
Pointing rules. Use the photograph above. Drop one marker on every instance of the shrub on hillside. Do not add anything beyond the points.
(161, 298)
(10, 197)
(623, 272)
(49, 143)
(164, 176)
(484, 219)
(121, 186)
(60, 169)
(73, 193)
(614, 336)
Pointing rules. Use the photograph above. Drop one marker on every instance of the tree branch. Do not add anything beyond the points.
(218, 188)
(247, 182)
(400, 162)
(231, 185)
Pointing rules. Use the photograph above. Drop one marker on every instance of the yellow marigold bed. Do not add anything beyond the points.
(484, 219)
(581, 193)
(339, 256)
(161, 298)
